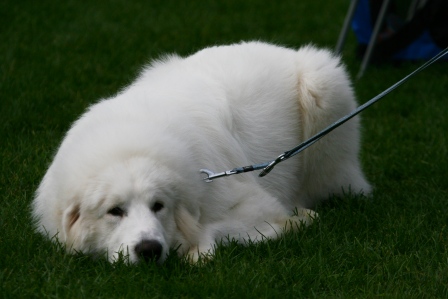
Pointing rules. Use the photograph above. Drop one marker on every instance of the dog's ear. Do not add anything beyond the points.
(71, 226)
(188, 225)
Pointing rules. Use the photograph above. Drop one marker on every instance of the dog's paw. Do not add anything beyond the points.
(197, 257)
(307, 216)
(304, 217)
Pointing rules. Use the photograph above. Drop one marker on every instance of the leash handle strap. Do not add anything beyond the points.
(268, 166)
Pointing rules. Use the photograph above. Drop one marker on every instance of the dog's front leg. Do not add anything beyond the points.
(256, 218)
(243, 231)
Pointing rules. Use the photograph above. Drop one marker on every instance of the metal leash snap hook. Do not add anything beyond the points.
(210, 174)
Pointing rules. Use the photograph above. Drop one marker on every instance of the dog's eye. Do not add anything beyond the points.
(157, 206)
(116, 211)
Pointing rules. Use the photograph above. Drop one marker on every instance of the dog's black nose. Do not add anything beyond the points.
(149, 250)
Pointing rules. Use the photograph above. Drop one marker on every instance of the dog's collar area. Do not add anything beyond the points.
(267, 167)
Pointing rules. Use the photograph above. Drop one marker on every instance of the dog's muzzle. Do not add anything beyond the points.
(149, 250)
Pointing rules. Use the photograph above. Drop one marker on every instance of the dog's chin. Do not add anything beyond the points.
(133, 259)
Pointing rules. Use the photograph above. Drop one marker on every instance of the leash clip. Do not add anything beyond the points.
(272, 164)
(211, 175)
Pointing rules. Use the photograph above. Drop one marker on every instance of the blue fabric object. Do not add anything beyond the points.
(361, 23)
(422, 48)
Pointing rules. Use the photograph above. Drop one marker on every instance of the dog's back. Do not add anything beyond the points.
(274, 98)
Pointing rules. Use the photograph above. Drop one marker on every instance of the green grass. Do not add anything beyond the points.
(58, 57)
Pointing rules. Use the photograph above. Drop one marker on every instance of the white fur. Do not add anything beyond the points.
(220, 108)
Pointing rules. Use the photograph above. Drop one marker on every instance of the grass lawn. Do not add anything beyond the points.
(57, 57)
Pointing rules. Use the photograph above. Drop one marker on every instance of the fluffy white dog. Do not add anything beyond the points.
(126, 178)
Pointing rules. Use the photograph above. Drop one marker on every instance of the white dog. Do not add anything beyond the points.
(126, 180)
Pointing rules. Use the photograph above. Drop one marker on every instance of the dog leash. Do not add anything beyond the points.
(268, 166)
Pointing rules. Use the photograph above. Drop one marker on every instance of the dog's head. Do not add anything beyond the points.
(130, 209)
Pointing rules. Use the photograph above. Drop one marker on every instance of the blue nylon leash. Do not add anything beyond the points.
(268, 166)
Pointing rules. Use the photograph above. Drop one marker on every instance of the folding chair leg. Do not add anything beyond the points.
(345, 27)
(373, 38)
